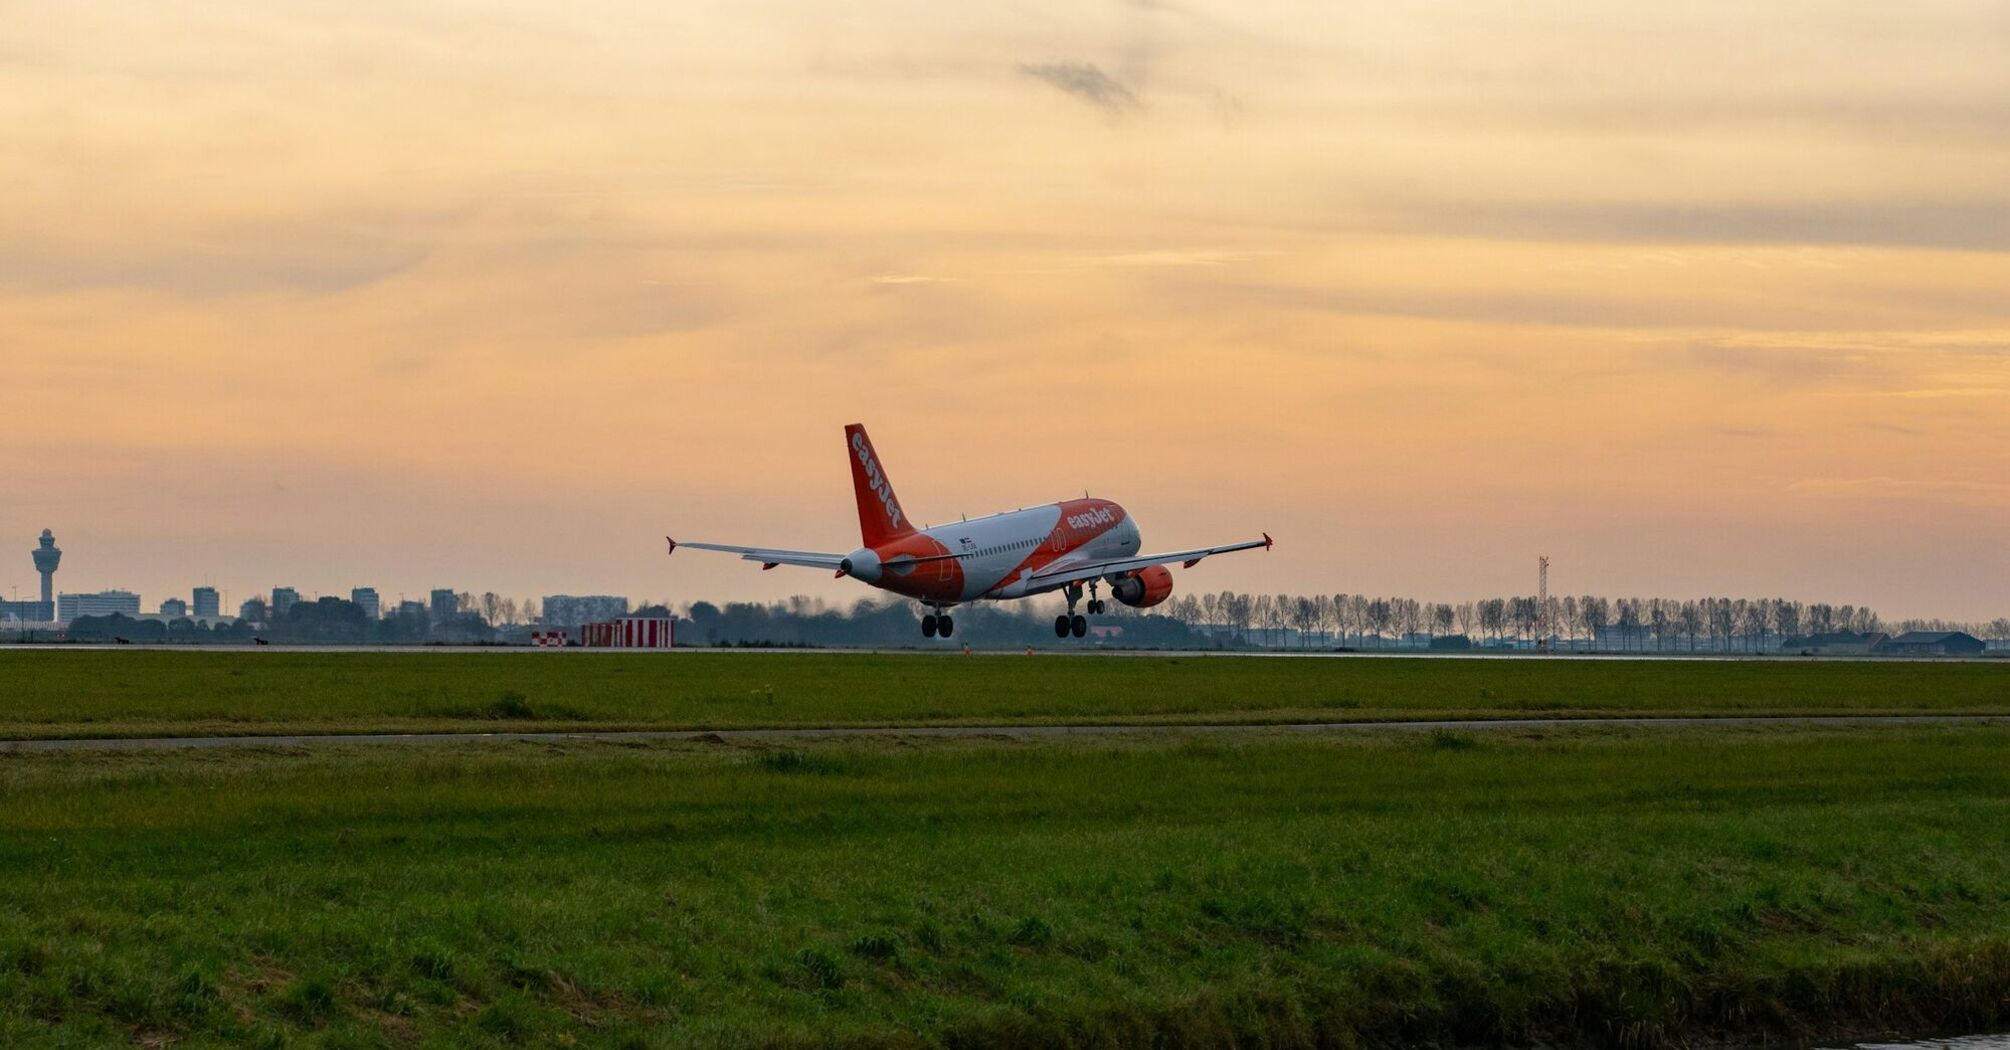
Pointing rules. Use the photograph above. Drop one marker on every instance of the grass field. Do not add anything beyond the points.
(1589, 886)
(108, 693)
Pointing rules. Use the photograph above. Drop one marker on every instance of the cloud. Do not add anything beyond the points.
(909, 278)
(1165, 257)
(1968, 225)
(1779, 365)
(310, 256)
(1086, 82)
(1563, 309)
(1965, 493)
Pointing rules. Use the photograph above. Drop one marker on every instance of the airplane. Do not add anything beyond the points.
(1066, 546)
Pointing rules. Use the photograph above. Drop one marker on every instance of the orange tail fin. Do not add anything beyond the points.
(880, 518)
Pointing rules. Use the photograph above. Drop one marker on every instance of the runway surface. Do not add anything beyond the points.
(1019, 732)
(954, 649)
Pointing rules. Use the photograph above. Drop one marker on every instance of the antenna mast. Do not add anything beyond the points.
(1542, 603)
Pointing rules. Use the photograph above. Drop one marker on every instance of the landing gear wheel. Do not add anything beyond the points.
(1062, 624)
(1080, 627)
(928, 626)
(1095, 607)
(944, 626)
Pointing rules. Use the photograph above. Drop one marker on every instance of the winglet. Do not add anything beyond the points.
(672, 543)
(1267, 541)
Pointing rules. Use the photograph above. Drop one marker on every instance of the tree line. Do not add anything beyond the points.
(1222, 619)
(1714, 624)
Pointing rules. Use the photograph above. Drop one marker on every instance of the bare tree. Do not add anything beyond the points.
(1409, 618)
(1525, 613)
(1235, 614)
(1596, 613)
(1787, 618)
(1380, 614)
(1305, 617)
(1262, 609)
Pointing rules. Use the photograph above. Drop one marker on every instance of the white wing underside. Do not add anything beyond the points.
(1082, 570)
(771, 555)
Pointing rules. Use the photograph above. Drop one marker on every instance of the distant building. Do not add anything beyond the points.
(1841, 643)
(412, 608)
(1933, 643)
(1623, 637)
(174, 608)
(283, 598)
(102, 603)
(207, 607)
(636, 632)
(366, 597)
(254, 610)
(26, 612)
(568, 610)
(444, 604)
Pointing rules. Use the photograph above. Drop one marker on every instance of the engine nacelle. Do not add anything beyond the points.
(1144, 588)
(863, 565)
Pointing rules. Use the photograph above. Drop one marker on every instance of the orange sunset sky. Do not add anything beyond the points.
(1696, 298)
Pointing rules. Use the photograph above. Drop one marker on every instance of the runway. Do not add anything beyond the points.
(994, 732)
(954, 649)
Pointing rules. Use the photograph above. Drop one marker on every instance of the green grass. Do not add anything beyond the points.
(65, 693)
(1586, 886)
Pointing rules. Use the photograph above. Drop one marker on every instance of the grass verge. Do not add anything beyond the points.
(113, 693)
(1562, 887)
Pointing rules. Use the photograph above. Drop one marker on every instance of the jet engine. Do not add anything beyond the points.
(1144, 588)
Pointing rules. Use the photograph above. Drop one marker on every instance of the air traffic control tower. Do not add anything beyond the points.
(46, 557)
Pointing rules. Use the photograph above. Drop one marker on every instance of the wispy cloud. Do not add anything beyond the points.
(909, 278)
(1892, 428)
(1975, 224)
(1924, 490)
(1087, 82)
(1166, 257)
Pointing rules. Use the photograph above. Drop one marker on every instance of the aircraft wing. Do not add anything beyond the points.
(769, 557)
(1082, 570)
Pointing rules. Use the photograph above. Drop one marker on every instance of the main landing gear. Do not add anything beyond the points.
(1071, 622)
(937, 623)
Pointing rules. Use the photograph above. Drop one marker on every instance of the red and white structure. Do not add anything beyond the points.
(629, 632)
(548, 639)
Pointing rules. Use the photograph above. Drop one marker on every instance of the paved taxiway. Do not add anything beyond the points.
(952, 649)
(1019, 732)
